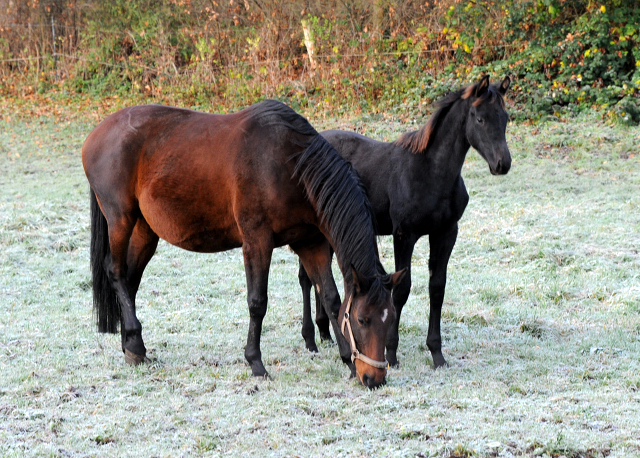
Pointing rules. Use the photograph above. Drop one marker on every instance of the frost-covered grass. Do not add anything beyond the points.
(541, 324)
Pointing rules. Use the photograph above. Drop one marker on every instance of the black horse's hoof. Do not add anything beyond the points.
(311, 346)
(439, 361)
(135, 360)
(392, 359)
(258, 370)
(326, 337)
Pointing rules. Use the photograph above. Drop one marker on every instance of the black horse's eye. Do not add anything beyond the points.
(480, 120)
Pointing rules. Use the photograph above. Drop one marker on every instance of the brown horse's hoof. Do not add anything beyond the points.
(134, 360)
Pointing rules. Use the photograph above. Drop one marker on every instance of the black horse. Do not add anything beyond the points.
(415, 187)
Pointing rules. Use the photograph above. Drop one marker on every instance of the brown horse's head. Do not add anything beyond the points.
(365, 318)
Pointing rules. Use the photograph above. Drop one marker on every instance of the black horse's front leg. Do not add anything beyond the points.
(441, 246)
(257, 259)
(403, 245)
(308, 330)
(322, 319)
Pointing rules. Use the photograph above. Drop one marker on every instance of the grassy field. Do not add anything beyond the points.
(541, 325)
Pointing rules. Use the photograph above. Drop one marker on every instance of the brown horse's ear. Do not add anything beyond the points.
(482, 86)
(360, 282)
(504, 85)
(391, 281)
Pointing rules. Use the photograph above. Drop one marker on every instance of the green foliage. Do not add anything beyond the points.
(124, 40)
(575, 52)
(565, 56)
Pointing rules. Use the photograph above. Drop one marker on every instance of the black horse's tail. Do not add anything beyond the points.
(105, 302)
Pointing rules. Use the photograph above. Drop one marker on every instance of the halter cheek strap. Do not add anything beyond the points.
(355, 354)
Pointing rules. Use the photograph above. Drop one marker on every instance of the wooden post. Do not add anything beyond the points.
(380, 13)
(308, 42)
(55, 54)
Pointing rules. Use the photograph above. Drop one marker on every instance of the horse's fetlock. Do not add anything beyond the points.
(434, 344)
(252, 354)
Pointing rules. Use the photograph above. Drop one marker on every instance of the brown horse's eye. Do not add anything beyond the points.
(362, 321)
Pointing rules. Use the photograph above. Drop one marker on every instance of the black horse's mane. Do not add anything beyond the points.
(419, 140)
(336, 192)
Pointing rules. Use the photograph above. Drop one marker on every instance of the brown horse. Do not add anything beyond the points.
(257, 179)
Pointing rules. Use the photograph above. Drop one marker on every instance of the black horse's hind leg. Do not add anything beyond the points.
(441, 246)
(257, 259)
(120, 230)
(403, 250)
(316, 258)
(308, 331)
(322, 319)
(142, 247)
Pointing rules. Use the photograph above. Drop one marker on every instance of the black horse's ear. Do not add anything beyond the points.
(482, 86)
(360, 282)
(392, 280)
(504, 85)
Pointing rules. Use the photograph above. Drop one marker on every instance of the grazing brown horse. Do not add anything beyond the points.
(257, 179)
(416, 188)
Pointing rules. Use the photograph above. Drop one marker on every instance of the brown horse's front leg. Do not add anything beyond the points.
(257, 259)
(316, 259)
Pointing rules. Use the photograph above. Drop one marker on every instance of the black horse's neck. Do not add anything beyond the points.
(448, 148)
(439, 148)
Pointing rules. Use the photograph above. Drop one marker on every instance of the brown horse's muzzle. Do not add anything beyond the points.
(371, 377)
(371, 372)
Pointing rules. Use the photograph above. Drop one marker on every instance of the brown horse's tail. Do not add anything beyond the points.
(105, 302)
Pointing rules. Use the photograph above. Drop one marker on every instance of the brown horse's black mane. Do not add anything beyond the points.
(418, 141)
(336, 191)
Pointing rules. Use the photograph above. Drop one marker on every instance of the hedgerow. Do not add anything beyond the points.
(392, 56)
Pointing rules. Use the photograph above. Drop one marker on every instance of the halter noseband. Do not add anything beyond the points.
(355, 354)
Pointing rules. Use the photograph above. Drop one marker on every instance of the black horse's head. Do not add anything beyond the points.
(365, 319)
(487, 123)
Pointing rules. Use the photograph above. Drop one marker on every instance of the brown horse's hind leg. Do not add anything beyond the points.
(316, 259)
(142, 247)
(257, 259)
(120, 231)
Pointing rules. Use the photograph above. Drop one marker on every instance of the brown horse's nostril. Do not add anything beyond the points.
(370, 381)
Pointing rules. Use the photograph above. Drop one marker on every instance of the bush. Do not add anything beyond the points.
(387, 56)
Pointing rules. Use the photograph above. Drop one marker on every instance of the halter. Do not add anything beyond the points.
(355, 354)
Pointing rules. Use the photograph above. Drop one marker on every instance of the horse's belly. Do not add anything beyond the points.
(209, 241)
(207, 230)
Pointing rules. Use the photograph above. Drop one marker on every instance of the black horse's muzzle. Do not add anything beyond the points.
(502, 165)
